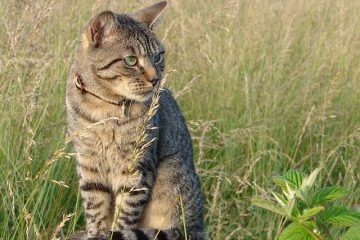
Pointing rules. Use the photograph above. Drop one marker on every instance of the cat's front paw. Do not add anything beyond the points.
(97, 237)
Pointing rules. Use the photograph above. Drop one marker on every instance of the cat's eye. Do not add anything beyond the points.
(130, 60)
(157, 57)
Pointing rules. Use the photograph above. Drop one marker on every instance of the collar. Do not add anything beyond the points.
(124, 104)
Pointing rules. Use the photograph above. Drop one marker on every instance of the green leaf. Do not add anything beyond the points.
(352, 234)
(309, 181)
(290, 206)
(302, 194)
(283, 183)
(271, 206)
(295, 212)
(279, 198)
(295, 231)
(328, 194)
(288, 188)
(309, 213)
(295, 178)
(340, 216)
(344, 220)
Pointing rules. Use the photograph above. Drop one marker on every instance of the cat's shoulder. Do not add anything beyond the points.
(167, 100)
(169, 109)
(166, 94)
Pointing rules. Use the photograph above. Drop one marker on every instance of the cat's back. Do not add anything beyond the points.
(174, 135)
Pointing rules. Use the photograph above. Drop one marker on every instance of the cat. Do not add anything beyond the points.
(118, 65)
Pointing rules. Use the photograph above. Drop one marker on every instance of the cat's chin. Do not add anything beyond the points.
(140, 97)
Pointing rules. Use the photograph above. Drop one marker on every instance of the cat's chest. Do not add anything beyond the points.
(110, 144)
(116, 142)
(109, 147)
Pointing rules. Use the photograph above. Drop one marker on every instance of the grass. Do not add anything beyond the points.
(265, 86)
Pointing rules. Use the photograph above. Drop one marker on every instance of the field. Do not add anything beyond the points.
(265, 86)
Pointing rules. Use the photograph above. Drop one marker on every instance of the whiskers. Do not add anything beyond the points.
(140, 87)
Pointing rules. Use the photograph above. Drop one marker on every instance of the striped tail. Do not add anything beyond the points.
(144, 234)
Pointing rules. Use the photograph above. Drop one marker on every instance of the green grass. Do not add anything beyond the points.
(265, 86)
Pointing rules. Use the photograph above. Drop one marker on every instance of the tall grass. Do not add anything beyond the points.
(265, 86)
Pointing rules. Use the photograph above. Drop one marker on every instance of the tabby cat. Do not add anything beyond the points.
(118, 65)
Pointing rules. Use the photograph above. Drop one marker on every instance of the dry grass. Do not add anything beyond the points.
(265, 86)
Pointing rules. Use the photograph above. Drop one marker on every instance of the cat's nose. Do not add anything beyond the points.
(150, 73)
(153, 81)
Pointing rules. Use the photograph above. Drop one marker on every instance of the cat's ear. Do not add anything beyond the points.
(100, 27)
(152, 15)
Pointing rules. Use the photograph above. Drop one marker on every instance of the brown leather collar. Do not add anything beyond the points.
(125, 104)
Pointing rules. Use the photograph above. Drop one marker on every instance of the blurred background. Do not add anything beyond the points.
(265, 85)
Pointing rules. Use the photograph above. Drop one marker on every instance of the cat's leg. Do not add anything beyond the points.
(131, 199)
(97, 205)
(97, 201)
(175, 195)
(129, 207)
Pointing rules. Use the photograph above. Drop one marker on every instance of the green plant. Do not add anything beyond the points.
(311, 211)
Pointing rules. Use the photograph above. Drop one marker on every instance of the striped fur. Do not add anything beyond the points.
(140, 234)
(107, 102)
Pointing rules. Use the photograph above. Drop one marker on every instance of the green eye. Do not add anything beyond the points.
(130, 60)
(157, 57)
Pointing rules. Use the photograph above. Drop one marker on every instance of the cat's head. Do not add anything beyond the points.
(120, 55)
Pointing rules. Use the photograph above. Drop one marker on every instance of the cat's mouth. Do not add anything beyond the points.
(143, 92)
(142, 89)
